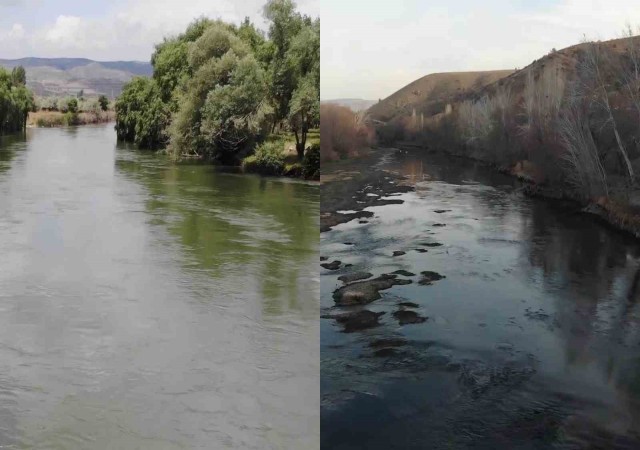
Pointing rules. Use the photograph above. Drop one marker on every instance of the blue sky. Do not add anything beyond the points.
(109, 30)
(386, 45)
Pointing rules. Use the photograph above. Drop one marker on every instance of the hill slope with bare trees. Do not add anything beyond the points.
(569, 123)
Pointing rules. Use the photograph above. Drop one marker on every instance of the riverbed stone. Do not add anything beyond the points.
(404, 273)
(388, 342)
(333, 265)
(408, 305)
(355, 276)
(358, 320)
(428, 277)
(406, 317)
(398, 253)
(363, 292)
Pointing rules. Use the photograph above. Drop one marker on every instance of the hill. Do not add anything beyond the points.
(429, 93)
(355, 104)
(67, 76)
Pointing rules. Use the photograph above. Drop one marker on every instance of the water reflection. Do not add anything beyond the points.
(152, 305)
(532, 339)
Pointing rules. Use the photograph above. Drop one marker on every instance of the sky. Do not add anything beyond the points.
(111, 30)
(370, 49)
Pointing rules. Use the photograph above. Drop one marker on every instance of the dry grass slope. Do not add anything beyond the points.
(429, 94)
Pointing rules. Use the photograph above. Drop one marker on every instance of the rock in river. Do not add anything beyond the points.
(363, 292)
(333, 265)
(359, 320)
(398, 253)
(428, 277)
(408, 317)
(404, 273)
(355, 276)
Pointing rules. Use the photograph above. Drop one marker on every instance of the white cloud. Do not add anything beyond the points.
(372, 43)
(129, 30)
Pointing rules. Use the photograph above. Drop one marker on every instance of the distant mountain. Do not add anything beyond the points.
(356, 104)
(67, 76)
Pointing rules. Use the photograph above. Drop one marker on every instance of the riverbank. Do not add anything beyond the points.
(50, 119)
(620, 212)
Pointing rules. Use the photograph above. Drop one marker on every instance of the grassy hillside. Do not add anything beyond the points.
(67, 76)
(430, 93)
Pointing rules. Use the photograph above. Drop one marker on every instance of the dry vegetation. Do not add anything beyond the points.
(343, 132)
(57, 118)
(570, 120)
(427, 94)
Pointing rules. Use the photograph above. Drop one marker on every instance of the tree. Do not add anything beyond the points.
(72, 105)
(18, 76)
(104, 102)
(141, 115)
(304, 112)
(285, 24)
(81, 94)
(216, 113)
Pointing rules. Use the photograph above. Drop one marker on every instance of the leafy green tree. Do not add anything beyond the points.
(304, 111)
(141, 115)
(223, 106)
(16, 101)
(104, 102)
(19, 76)
(72, 105)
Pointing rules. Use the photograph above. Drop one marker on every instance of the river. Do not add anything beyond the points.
(532, 341)
(146, 304)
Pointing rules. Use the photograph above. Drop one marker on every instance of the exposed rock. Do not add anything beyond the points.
(359, 320)
(385, 352)
(408, 317)
(387, 342)
(363, 292)
(421, 250)
(440, 211)
(334, 265)
(409, 305)
(355, 276)
(404, 273)
(398, 253)
(431, 244)
(439, 224)
(323, 258)
(428, 277)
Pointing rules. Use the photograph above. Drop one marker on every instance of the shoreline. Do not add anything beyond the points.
(617, 216)
(57, 119)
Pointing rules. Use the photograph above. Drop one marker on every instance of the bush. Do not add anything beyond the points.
(268, 159)
(294, 170)
(311, 163)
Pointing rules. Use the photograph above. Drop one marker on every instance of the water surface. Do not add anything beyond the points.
(532, 340)
(145, 304)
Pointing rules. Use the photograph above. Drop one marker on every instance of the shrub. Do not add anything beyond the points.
(311, 163)
(268, 159)
(343, 132)
(294, 170)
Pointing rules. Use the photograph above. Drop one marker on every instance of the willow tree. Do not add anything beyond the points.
(223, 107)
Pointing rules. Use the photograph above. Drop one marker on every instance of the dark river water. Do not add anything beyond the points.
(532, 340)
(149, 305)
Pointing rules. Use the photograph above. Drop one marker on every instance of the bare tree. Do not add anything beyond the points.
(583, 167)
(591, 70)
